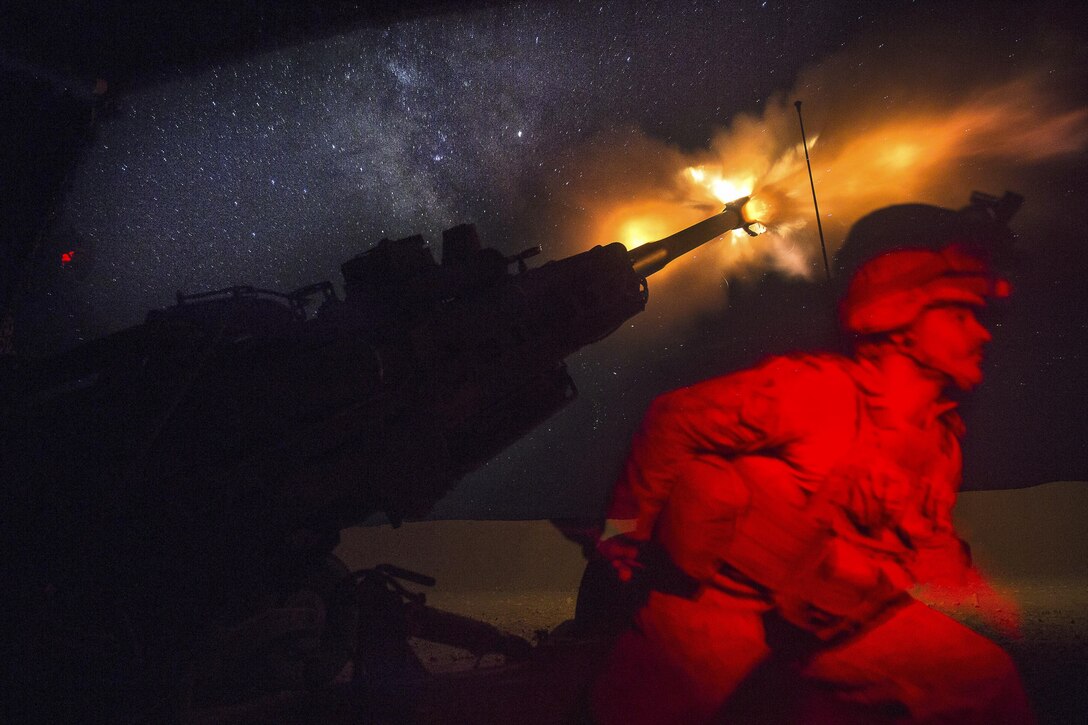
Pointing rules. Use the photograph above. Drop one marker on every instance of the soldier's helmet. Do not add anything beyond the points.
(889, 291)
(899, 260)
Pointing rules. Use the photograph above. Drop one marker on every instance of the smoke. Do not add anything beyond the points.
(925, 112)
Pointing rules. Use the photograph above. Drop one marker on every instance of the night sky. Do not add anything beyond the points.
(274, 170)
(535, 121)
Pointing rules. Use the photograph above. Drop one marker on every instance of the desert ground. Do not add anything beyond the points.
(522, 577)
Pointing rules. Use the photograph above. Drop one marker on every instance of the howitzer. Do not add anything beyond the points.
(191, 474)
(380, 402)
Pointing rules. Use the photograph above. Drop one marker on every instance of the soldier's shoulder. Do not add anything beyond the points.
(814, 375)
(810, 369)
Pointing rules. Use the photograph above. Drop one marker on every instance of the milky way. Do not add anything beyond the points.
(274, 170)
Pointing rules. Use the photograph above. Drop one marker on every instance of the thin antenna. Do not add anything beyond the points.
(819, 225)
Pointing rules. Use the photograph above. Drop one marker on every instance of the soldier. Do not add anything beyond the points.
(800, 501)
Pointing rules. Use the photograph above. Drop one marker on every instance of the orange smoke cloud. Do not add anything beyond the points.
(910, 134)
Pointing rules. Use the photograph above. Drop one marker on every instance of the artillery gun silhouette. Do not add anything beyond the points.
(191, 474)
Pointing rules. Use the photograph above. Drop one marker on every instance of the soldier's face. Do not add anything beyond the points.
(949, 339)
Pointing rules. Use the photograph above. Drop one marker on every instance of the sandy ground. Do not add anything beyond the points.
(522, 577)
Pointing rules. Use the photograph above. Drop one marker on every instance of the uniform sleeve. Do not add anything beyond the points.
(941, 557)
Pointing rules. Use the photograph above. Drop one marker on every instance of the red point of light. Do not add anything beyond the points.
(67, 257)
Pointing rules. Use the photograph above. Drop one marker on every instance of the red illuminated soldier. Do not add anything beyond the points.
(803, 500)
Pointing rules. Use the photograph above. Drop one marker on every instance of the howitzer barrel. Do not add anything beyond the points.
(652, 257)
